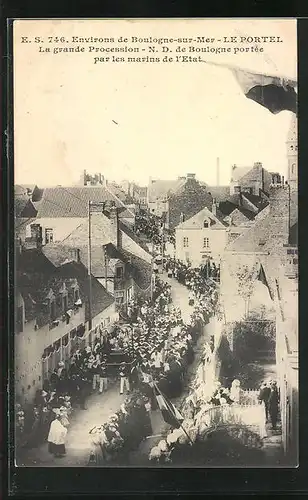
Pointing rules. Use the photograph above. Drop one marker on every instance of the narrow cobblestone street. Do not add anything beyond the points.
(101, 407)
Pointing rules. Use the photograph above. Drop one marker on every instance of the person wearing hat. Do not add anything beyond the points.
(57, 436)
(124, 380)
(103, 379)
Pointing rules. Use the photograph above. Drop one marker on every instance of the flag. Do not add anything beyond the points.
(274, 93)
(169, 413)
(262, 278)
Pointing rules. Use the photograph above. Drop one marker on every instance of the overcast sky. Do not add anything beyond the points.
(170, 119)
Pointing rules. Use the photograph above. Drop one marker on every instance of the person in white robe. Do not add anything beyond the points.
(57, 437)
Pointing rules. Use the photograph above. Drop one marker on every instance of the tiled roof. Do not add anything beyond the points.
(23, 207)
(227, 207)
(126, 213)
(117, 191)
(220, 193)
(23, 188)
(35, 277)
(239, 172)
(129, 232)
(100, 232)
(63, 255)
(254, 239)
(196, 222)
(72, 201)
(101, 299)
(257, 201)
(159, 189)
(236, 201)
(140, 269)
(248, 214)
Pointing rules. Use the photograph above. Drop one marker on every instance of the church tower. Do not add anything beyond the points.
(292, 154)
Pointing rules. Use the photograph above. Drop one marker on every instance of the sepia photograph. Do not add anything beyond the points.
(156, 249)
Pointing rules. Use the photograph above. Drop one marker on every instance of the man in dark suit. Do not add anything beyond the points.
(273, 404)
(264, 397)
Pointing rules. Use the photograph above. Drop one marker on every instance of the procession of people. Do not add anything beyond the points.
(154, 345)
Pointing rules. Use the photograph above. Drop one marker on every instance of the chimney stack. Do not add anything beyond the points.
(190, 176)
(217, 172)
(182, 217)
(214, 207)
(279, 200)
(115, 229)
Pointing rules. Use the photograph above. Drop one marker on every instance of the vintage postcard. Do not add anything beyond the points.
(156, 255)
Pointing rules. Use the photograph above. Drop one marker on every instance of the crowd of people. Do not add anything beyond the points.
(269, 396)
(194, 278)
(150, 226)
(163, 350)
(155, 344)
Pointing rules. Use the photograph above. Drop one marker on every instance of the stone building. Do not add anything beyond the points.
(189, 198)
(252, 180)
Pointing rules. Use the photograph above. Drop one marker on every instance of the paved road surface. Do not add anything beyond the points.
(78, 446)
(100, 408)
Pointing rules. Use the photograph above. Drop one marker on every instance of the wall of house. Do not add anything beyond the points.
(29, 348)
(108, 316)
(195, 251)
(62, 226)
(279, 219)
(287, 364)
(30, 345)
